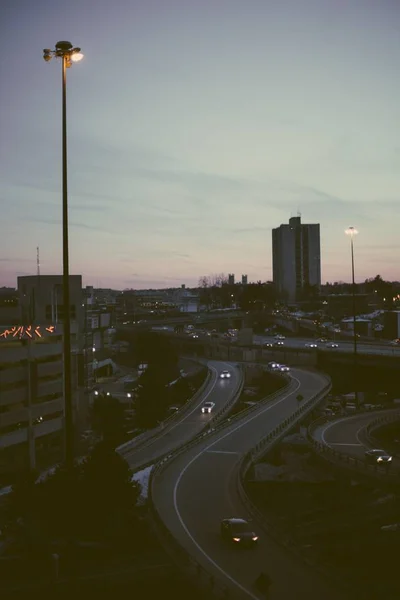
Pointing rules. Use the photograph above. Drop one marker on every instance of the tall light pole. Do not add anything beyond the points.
(68, 54)
(352, 232)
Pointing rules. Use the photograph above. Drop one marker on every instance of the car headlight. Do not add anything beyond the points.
(379, 459)
(255, 538)
(390, 458)
(236, 539)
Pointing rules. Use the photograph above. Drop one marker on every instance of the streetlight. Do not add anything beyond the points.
(352, 232)
(68, 54)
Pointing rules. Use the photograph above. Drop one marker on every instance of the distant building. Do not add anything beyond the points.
(244, 279)
(296, 258)
(231, 279)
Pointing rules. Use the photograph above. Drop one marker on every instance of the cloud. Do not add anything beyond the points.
(51, 221)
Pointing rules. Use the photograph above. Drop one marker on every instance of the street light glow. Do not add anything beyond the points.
(76, 56)
(351, 231)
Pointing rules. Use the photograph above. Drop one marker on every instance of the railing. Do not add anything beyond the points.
(194, 570)
(383, 472)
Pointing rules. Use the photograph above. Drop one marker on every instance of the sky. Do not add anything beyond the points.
(194, 128)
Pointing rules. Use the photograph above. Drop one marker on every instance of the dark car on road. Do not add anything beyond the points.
(378, 457)
(238, 531)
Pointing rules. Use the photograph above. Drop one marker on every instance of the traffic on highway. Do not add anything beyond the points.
(192, 420)
(309, 343)
(347, 435)
(198, 492)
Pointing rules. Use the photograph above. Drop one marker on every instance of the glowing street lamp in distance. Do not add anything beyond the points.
(352, 231)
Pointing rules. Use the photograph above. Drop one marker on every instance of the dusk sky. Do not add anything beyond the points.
(195, 127)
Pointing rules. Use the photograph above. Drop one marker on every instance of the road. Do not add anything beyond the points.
(372, 347)
(199, 488)
(192, 422)
(345, 435)
(344, 346)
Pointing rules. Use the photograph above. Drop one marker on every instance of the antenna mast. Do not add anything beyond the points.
(37, 261)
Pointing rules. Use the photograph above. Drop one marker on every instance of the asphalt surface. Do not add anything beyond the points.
(218, 390)
(345, 434)
(198, 489)
(344, 346)
(372, 347)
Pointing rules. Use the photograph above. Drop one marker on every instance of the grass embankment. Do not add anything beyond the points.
(259, 387)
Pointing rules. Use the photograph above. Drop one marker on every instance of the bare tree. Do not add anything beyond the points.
(218, 279)
(204, 281)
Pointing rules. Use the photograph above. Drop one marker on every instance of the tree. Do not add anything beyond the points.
(108, 419)
(152, 397)
(108, 494)
(156, 350)
(94, 501)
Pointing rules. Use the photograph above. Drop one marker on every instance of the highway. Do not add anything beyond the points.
(345, 435)
(344, 346)
(363, 347)
(199, 488)
(219, 391)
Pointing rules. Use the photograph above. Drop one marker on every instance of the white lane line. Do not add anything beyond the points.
(222, 452)
(206, 449)
(344, 444)
(348, 420)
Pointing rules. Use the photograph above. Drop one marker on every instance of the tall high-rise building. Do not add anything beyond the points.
(244, 279)
(231, 279)
(296, 259)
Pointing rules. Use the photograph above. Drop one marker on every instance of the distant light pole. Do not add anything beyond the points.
(68, 55)
(352, 232)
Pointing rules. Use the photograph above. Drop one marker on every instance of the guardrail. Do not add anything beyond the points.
(382, 472)
(161, 429)
(276, 435)
(194, 570)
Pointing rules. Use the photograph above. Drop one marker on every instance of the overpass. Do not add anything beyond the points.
(233, 319)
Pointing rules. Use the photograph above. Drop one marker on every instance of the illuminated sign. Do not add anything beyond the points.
(30, 331)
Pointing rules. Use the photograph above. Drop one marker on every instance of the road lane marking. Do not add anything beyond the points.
(206, 449)
(343, 444)
(222, 452)
(362, 417)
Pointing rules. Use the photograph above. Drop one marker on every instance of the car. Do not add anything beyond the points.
(207, 407)
(195, 336)
(279, 336)
(379, 457)
(283, 368)
(395, 342)
(278, 343)
(332, 345)
(322, 340)
(273, 365)
(225, 375)
(311, 345)
(267, 345)
(238, 531)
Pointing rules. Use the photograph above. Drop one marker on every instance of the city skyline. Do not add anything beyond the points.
(194, 130)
